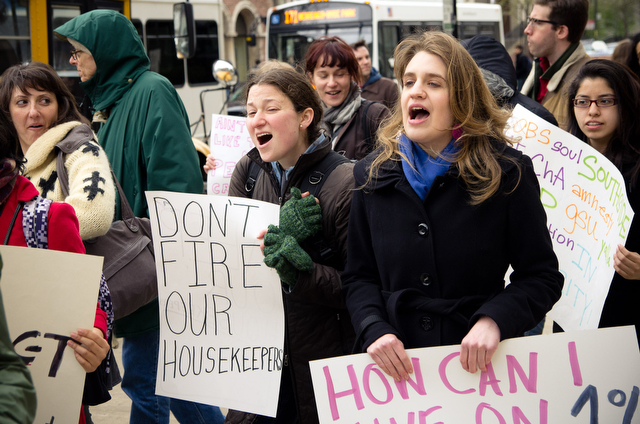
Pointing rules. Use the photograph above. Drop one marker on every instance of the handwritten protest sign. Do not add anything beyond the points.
(221, 313)
(48, 295)
(229, 141)
(588, 214)
(577, 377)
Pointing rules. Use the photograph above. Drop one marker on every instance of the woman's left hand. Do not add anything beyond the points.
(479, 345)
(92, 350)
(627, 263)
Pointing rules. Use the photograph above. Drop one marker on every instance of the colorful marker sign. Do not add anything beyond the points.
(221, 313)
(48, 295)
(583, 377)
(588, 214)
(229, 142)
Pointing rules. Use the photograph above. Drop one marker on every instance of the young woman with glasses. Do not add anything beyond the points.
(603, 106)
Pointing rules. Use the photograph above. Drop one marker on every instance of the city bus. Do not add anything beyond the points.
(26, 34)
(291, 27)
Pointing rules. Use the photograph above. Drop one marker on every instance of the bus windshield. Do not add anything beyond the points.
(292, 29)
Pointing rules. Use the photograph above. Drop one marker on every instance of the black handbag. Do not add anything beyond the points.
(129, 262)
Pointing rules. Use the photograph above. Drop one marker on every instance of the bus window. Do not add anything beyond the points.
(294, 27)
(162, 51)
(291, 47)
(388, 39)
(137, 23)
(390, 33)
(199, 68)
(15, 39)
(352, 34)
(61, 49)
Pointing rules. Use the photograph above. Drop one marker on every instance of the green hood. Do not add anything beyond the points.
(116, 48)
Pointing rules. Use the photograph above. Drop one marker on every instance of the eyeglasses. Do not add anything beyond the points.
(603, 102)
(531, 21)
(74, 54)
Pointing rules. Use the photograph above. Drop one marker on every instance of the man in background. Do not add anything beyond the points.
(522, 64)
(553, 36)
(374, 86)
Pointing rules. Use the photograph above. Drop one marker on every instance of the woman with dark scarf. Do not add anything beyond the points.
(353, 121)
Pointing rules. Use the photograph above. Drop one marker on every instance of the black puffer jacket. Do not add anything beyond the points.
(491, 56)
(317, 323)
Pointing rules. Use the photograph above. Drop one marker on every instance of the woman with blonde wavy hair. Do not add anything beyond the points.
(442, 209)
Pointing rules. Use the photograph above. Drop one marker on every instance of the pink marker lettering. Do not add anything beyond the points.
(333, 396)
(418, 384)
(442, 370)
(367, 388)
(575, 365)
(513, 366)
(488, 378)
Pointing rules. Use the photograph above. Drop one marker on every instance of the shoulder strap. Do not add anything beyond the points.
(313, 181)
(320, 249)
(70, 145)
(13, 221)
(252, 177)
(35, 222)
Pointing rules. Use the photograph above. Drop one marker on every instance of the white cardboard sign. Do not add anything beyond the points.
(221, 313)
(48, 295)
(582, 377)
(229, 142)
(588, 214)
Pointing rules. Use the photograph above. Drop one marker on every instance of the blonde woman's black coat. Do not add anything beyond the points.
(426, 271)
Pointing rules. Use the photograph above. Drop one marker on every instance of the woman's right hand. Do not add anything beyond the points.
(389, 354)
(210, 165)
(261, 237)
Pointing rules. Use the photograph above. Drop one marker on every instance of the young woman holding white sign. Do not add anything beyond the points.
(442, 209)
(604, 102)
(308, 247)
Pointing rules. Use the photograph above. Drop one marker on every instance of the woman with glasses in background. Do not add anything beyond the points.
(603, 106)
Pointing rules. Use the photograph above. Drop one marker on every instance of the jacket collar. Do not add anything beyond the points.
(555, 80)
(39, 152)
(24, 190)
(373, 77)
(305, 162)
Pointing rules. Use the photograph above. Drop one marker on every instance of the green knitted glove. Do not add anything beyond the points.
(300, 217)
(283, 253)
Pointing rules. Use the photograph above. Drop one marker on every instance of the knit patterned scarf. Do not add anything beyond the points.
(8, 177)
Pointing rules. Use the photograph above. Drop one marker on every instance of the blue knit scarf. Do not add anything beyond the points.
(425, 168)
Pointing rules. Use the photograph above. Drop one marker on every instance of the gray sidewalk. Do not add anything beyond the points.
(116, 411)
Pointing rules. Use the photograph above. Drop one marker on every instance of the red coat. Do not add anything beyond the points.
(63, 230)
(63, 223)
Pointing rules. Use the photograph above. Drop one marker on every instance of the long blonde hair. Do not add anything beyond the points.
(474, 109)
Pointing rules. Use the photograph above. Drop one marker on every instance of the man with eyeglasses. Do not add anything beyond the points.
(554, 30)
